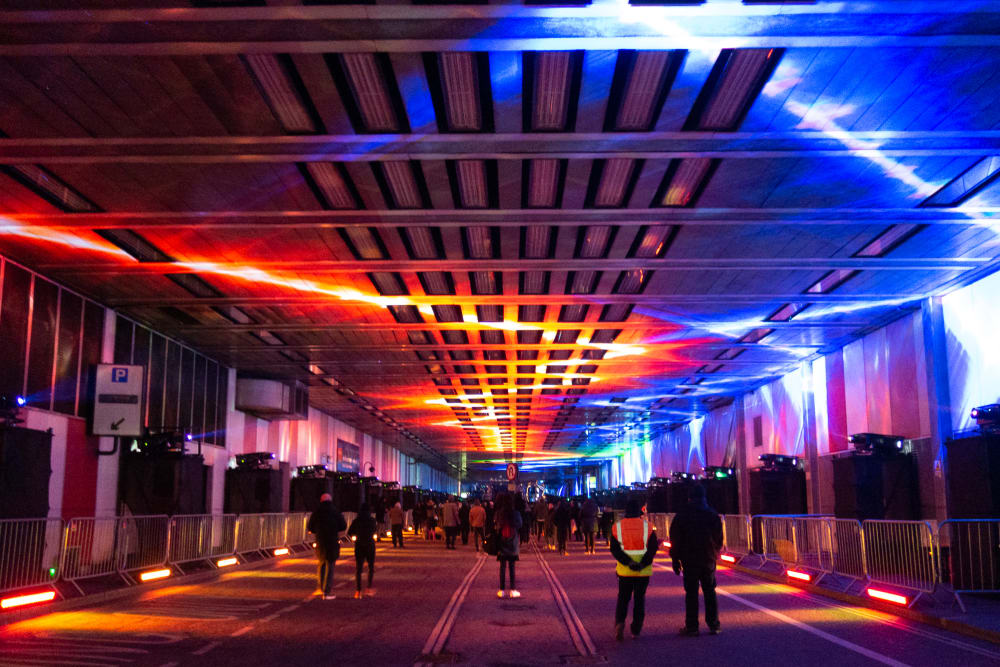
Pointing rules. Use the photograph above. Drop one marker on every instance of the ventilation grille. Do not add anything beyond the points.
(275, 75)
(371, 94)
(332, 185)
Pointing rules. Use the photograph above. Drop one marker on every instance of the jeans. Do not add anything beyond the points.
(479, 535)
(361, 555)
(450, 533)
(504, 562)
(627, 587)
(706, 579)
(588, 541)
(397, 535)
(325, 575)
(465, 533)
(563, 533)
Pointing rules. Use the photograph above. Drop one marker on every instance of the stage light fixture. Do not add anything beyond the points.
(877, 443)
(255, 461)
(988, 418)
(718, 472)
(778, 461)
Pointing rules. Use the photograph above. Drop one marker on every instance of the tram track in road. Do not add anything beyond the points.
(439, 635)
(577, 630)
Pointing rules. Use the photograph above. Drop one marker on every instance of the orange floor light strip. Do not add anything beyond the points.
(666, 544)
(283, 551)
(154, 574)
(801, 576)
(33, 598)
(226, 562)
(727, 558)
(888, 597)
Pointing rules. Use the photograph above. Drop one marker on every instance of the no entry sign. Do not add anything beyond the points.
(511, 472)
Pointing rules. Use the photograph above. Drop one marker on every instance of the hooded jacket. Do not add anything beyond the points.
(696, 537)
(326, 523)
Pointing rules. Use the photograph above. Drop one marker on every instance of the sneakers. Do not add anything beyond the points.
(501, 593)
(514, 593)
(619, 632)
(330, 597)
(635, 633)
(715, 630)
(370, 593)
(357, 595)
(689, 632)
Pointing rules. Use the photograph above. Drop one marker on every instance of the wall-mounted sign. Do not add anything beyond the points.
(118, 400)
(348, 457)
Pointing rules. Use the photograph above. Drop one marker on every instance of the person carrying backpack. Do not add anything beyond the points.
(508, 527)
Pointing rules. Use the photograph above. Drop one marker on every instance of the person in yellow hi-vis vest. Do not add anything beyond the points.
(633, 544)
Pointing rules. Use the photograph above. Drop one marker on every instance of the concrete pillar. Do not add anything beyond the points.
(810, 440)
(939, 403)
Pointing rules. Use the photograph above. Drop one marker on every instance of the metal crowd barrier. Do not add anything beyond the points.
(29, 552)
(90, 548)
(972, 557)
(848, 549)
(736, 534)
(661, 524)
(201, 537)
(901, 553)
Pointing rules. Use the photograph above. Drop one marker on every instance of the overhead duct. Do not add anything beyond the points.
(274, 400)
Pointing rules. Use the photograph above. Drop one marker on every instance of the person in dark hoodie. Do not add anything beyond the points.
(633, 544)
(326, 523)
(696, 539)
(364, 532)
(508, 527)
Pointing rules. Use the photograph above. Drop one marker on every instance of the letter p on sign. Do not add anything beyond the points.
(119, 375)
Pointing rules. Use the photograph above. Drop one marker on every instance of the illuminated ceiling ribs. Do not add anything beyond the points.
(528, 336)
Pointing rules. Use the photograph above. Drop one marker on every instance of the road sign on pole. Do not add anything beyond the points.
(511, 472)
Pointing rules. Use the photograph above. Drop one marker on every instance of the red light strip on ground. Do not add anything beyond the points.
(728, 558)
(154, 574)
(888, 597)
(21, 600)
(283, 551)
(801, 576)
(226, 562)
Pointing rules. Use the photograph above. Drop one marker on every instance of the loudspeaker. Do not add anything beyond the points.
(162, 484)
(973, 477)
(875, 487)
(257, 491)
(25, 456)
(723, 495)
(659, 499)
(678, 494)
(777, 491)
(306, 492)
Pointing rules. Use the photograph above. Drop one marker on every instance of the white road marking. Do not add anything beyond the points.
(242, 631)
(206, 648)
(850, 646)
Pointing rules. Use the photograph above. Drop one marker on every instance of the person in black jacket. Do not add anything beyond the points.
(326, 523)
(508, 527)
(696, 539)
(364, 532)
(562, 519)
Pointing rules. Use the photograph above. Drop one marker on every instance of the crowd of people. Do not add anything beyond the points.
(498, 527)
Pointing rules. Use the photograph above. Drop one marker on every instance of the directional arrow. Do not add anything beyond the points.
(115, 425)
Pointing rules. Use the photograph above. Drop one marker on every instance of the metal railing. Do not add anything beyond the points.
(736, 534)
(972, 554)
(901, 553)
(29, 552)
(200, 537)
(916, 555)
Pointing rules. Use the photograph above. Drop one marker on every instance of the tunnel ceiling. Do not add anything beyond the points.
(504, 230)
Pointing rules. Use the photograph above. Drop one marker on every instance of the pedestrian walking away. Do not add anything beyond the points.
(588, 524)
(633, 544)
(450, 522)
(326, 523)
(695, 542)
(463, 521)
(396, 518)
(562, 519)
(477, 522)
(364, 532)
(508, 527)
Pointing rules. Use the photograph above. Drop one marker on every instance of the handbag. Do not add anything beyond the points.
(491, 545)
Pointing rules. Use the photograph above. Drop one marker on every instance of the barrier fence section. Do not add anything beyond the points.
(972, 558)
(90, 548)
(777, 538)
(848, 549)
(29, 552)
(201, 536)
(142, 541)
(736, 534)
(901, 553)
(813, 539)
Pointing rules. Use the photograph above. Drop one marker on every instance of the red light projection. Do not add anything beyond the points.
(487, 413)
